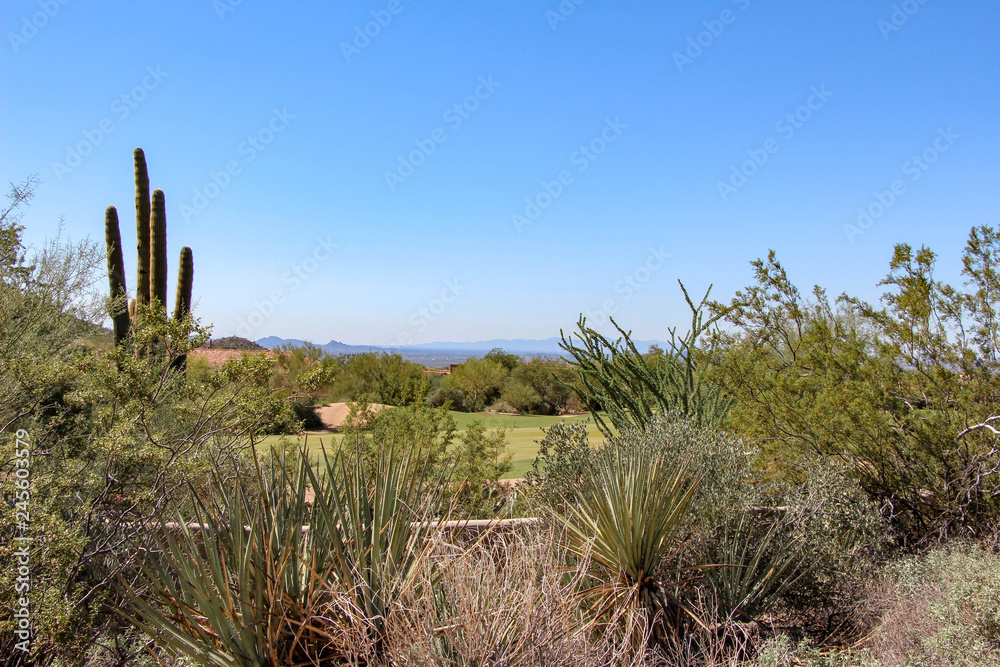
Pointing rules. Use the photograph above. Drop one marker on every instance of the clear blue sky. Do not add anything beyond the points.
(642, 109)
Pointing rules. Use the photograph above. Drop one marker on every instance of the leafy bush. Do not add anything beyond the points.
(479, 458)
(387, 378)
(306, 415)
(803, 545)
(940, 608)
(904, 394)
(480, 381)
(453, 398)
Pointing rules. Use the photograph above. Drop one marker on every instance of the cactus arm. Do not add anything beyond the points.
(185, 278)
(158, 250)
(116, 275)
(142, 225)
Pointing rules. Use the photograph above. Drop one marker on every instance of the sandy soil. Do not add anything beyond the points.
(334, 415)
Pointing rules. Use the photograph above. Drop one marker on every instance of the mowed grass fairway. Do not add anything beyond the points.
(523, 433)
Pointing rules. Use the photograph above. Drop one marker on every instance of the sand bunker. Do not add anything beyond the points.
(333, 415)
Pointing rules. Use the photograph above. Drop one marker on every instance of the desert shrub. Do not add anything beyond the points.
(114, 432)
(564, 456)
(540, 387)
(941, 608)
(903, 393)
(454, 398)
(804, 546)
(480, 381)
(272, 593)
(632, 388)
(477, 457)
(382, 377)
(481, 459)
(507, 360)
(506, 600)
(367, 433)
(520, 396)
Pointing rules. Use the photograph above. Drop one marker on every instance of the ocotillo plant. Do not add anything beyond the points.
(151, 245)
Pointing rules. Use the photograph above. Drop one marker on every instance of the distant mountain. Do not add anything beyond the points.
(545, 346)
(442, 352)
(272, 342)
(333, 347)
(233, 343)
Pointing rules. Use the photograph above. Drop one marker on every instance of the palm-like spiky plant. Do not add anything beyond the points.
(269, 579)
(628, 521)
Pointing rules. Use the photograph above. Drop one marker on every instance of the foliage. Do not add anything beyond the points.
(453, 398)
(382, 377)
(564, 457)
(502, 600)
(904, 395)
(801, 544)
(504, 382)
(233, 343)
(629, 519)
(481, 459)
(941, 608)
(509, 361)
(480, 380)
(477, 457)
(256, 588)
(429, 430)
(614, 377)
(540, 387)
(115, 433)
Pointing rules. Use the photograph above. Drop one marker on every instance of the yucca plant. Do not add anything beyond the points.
(268, 579)
(627, 522)
(754, 570)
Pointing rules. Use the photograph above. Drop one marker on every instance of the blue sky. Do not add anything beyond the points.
(468, 171)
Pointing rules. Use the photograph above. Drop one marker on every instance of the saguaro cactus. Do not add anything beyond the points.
(185, 278)
(151, 248)
(116, 275)
(142, 224)
(158, 251)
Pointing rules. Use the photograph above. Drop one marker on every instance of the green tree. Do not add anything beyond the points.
(480, 380)
(505, 359)
(384, 377)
